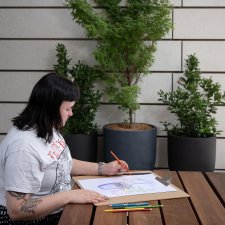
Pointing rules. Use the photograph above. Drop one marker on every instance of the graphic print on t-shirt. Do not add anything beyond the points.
(60, 152)
(56, 148)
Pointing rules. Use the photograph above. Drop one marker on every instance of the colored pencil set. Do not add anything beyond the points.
(131, 207)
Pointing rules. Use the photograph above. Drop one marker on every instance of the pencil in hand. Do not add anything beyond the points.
(119, 161)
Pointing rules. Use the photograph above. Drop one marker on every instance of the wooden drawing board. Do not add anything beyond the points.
(137, 198)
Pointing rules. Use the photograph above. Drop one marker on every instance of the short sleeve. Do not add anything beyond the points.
(23, 172)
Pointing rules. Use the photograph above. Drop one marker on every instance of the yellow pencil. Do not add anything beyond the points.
(127, 210)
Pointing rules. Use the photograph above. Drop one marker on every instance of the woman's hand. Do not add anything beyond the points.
(114, 168)
(86, 196)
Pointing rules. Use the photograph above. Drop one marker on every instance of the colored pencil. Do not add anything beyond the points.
(129, 204)
(131, 207)
(145, 207)
(118, 160)
(127, 210)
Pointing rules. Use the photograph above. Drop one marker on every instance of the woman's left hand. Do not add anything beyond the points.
(114, 168)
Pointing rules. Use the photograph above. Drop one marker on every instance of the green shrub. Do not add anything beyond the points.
(85, 109)
(194, 103)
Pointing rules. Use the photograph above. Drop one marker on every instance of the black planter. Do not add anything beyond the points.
(83, 146)
(191, 154)
(137, 148)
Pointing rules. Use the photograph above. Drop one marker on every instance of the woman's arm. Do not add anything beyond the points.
(88, 168)
(21, 206)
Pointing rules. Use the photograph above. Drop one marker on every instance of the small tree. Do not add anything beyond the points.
(194, 103)
(126, 39)
(84, 110)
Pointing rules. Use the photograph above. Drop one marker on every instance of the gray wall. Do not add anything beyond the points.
(31, 29)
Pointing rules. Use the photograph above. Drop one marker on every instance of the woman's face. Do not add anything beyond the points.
(66, 111)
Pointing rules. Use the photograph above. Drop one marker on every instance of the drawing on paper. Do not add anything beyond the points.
(126, 185)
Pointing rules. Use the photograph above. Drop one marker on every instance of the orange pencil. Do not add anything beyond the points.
(118, 160)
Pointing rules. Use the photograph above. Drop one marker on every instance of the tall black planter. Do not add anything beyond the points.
(83, 146)
(137, 148)
(191, 154)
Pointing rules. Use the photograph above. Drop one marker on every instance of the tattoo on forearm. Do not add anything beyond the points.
(28, 205)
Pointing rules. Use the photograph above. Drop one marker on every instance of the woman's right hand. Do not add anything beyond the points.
(86, 196)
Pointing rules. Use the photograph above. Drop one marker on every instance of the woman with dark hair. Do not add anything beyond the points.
(35, 162)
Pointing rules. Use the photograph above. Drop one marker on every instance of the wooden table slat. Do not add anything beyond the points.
(108, 218)
(76, 214)
(218, 182)
(146, 218)
(205, 202)
(177, 211)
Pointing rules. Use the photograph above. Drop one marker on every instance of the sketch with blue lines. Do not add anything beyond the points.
(125, 185)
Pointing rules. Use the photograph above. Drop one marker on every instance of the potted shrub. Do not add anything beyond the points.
(192, 141)
(126, 43)
(81, 130)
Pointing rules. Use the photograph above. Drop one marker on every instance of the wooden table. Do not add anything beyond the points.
(206, 206)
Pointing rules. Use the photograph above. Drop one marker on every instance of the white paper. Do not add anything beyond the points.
(117, 186)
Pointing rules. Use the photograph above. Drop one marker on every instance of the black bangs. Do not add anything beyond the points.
(72, 93)
(62, 88)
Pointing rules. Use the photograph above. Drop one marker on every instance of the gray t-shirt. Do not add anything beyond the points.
(30, 165)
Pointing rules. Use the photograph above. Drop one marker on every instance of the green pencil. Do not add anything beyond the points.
(146, 206)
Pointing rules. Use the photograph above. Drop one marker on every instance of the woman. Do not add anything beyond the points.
(35, 162)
